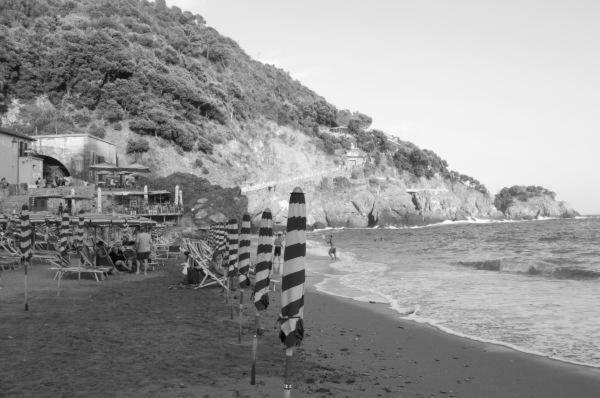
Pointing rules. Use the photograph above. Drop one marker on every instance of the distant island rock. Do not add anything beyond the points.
(521, 202)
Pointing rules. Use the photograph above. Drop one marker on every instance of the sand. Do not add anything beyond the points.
(133, 336)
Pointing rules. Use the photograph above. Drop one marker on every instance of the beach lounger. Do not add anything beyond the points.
(61, 270)
(201, 255)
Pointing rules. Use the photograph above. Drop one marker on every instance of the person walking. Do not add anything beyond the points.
(143, 245)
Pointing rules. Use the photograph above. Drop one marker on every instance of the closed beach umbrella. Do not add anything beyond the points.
(244, 256)
(25, 246)
(64, 233)
(99, 199)
(264, 260)
(292, 286)
(25, 234)
(126, 228)
(80, 227)
(232, 247)
(232, 244)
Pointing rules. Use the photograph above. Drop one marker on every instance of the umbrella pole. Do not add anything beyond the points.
(231, 300)
(254, 350)
(287, 386)
(240, 316)
(25, 266)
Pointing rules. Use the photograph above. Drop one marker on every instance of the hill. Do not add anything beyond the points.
(174, 94)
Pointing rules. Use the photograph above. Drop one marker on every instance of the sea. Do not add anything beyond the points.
(533, 286)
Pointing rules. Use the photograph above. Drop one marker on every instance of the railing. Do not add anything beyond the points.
(308, 176)
(158, 210)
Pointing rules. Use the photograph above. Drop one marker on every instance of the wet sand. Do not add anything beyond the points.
(132, 336)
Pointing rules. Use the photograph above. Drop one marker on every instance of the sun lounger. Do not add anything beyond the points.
(201, 255)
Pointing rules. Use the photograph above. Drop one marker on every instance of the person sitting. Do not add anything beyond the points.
(118, 259)
(102, 257)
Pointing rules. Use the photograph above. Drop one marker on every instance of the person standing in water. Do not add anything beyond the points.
(332, 250)
(278, 244)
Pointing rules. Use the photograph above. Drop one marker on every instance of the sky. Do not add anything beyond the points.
(506, 91)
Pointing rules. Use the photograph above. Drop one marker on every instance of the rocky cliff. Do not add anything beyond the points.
(376, 201)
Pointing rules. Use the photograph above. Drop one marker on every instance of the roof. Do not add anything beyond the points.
(134, 193)
(13, 133)
(41, 136)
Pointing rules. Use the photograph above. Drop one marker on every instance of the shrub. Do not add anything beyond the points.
(198, 163)
(137, 146)
(341, 182)
(97, 131)
(205, 170)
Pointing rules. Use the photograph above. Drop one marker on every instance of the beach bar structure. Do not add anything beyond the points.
(157, 205)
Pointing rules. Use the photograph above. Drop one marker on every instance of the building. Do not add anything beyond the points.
(355, 157)
(18, 164)
(77, 152)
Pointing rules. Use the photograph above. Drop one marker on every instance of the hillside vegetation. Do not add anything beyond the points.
(98, 65)
(508, 195)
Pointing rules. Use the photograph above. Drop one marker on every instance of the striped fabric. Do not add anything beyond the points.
(244, 257)
(25, 235)
(292, 285)
(80, 230)
(264, 260)
(232, 245)
(212, 235)
(64, 232)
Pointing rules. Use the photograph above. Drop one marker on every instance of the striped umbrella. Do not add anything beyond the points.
(126, 228)
(244, 257)
(25, 235)
(25, 246)
(264, 260)
(64, 233)
(211, 236)
(292, 285)
(80, 229)
(232, 244)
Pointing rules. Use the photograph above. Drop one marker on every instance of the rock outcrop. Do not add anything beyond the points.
(538, 207)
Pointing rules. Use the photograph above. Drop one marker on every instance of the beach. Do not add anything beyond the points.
(131, 336)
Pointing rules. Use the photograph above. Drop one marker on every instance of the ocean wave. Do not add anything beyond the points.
(488, 265)
(574, 273)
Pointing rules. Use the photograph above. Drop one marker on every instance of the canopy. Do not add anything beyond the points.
(135, 193)
(104, 166)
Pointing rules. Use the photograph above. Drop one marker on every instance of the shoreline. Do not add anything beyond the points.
(482, 221)
(132, 336)
(390, 312)
(385, 309)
